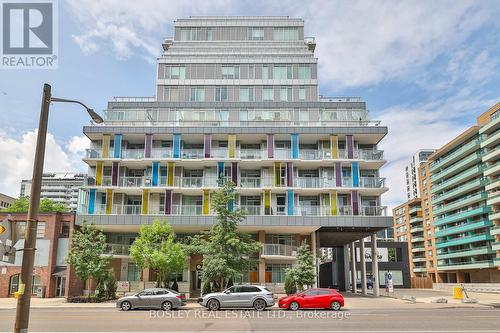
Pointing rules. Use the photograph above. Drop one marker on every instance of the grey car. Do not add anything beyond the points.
(154, 298)
(243, 296)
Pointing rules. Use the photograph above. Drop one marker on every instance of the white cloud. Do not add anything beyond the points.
(358, 42)
(18, 153)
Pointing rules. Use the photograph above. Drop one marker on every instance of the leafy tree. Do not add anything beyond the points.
(226, 252)
(290, 285)
(106, 285)
(21, 205)
(303, 273)
(155, 248)
(85, 255)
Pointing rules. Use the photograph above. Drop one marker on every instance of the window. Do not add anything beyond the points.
(286, 94)
(177, 72)
(246, 94)
(35, 283)
(304, 72)
(220, 94)
(285, 33)
(13, 284)
(197, 94)
(251, 72)
(302, 93)
(65, 228)
(265, 72)
(267, 94)
(173, 94)
(249, 289)
(255, 33)
(282, 72)
(21, 229)
(230, 72)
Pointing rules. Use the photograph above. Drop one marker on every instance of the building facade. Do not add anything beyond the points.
(5, 201)
(411, 173)
(52, 276)
(236, 99)
(60, 187)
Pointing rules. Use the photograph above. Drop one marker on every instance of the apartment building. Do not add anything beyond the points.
(411, 172)
(5, 201)
(60, 187)
(236, 99)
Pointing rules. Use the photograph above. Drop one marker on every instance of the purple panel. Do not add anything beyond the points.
(168, 202)
(147, 145)
(207, 145)
(350, 146)
(234, 173)
(114, 174)
(338, 174)
(270, 146)
(289, 174)
(355, 203)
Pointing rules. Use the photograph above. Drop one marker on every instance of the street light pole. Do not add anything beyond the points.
(24, 292)
(24, 298)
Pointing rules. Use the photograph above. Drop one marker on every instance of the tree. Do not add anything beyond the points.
(86, 254)
(21, 205)
(226, 252)
(303, 273)
(155, 248)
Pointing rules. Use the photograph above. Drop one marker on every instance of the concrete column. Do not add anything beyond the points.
(354, 287)
(375, 278)
(262, 262)
(314, 251)
(363, 265)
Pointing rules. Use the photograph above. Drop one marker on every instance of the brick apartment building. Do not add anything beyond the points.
(51, 271)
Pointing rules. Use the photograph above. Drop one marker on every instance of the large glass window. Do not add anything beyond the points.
(256, 33)
(265, 72)
(246, 94)
(286, 33)
(286, 94)
(220, 94)
(304, 72)
(177, 72)
(197, 94)
(282, 72)
(275, 273)
(230, 72)
(302, 93)
(13, 284)
(267, 93)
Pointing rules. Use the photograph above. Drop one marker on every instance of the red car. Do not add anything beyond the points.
(312, 299)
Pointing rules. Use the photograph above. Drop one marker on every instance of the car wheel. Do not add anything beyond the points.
(213, 305)
(335, 306)
(259, 304)
(370, 287)
(294, 306)
(166, 306)
(125, 306)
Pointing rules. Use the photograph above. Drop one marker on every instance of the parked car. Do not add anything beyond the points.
(154, 298)
(369, 283)
(313, 298)
(239, 296)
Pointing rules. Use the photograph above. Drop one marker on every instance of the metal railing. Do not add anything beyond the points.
(132, 154)
(251, 210)
(127, 209)
(192, 154)
(250, 182)
(307, 182)
(219, 152)
(188, 210)
(117, 249)
(161, 153)
(279, 250)
(251, 154)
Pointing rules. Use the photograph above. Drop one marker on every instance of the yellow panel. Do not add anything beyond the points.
(277, 174)
(334, 146)
(232, 145)
(267, 202)
(109, 201)
(333, 203)
(206, 202)
(145, 201)
(98, 173)
(170, 174)
(105, 145)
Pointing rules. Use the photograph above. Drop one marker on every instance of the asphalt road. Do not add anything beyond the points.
(198, 320)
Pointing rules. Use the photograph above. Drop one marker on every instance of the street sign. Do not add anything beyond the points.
(389, 285)
(2, 229)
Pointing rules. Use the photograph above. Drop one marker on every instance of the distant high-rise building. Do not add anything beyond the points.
(61, 187)
(5, 201)
(411, 171)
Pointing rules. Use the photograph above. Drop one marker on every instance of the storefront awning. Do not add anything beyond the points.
(59, 271)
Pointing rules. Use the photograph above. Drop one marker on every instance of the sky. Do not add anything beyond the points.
(426, 69)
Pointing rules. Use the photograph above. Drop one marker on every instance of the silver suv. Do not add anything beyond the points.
(244, 296)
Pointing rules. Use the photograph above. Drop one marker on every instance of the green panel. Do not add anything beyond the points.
(466, 240)
(463, 176)
(462, 189)
(462, 228)
(461, 216)
(466, 253)
(472, 158)
(461, 203)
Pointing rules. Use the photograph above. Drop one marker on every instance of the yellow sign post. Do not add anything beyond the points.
(457, 293)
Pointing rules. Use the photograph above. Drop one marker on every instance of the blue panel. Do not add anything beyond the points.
(230, 205)
(91, 201)
(289, 199)
(220, 170)
(156, 169)
(355, 174)
(118, 146)
(177, 145)
(295, 146)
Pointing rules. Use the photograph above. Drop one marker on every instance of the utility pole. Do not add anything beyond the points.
(24, 296)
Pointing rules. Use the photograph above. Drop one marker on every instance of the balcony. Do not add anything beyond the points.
(251, 209)
(370, 155)
(221, 152)
(467, 187)
(456, 155)
(463, 227)
(461, 202)
(161, 153)
(135, 181)
(282, 154)
(461, 215)
(460, 178)
(93, 153)
(459, 166)
(192, 182)
(308, 210)
(466, 252)
(473, 264)
(132, 154)
(127, 209)
(187, 210)
(442, 243)
(117, 249)
(279, 250)
(250, 182)
(251, 154)
(372, 182)
(373, 210)
(192, 154)
(307, 182)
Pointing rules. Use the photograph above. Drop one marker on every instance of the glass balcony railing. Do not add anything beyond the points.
(188, 210)
(307, 182)
(193, 154)
(132, 209)
(161, 153)
(93, 153)
(372, 182)
(132, 154)
(279, 250)
(251, 154)
(251, 210)
(250, 182)
(117, 249)
(282, 154)
(219, 152)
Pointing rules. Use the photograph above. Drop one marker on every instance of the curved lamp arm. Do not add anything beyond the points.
(95, 117)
